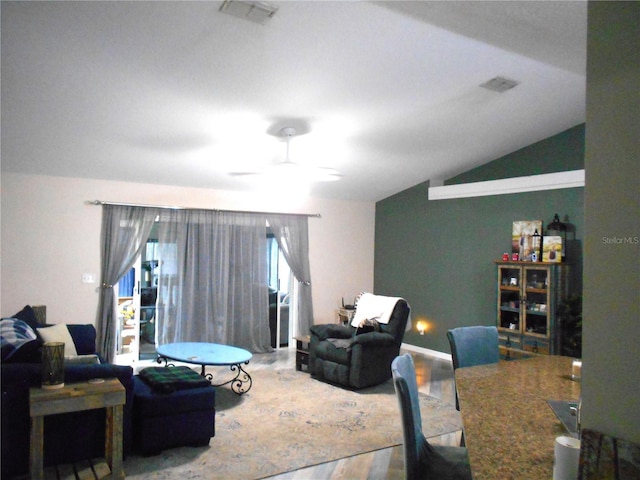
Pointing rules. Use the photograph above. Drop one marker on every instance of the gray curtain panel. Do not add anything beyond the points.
(292, 234)
(125, 230)
(213, 280)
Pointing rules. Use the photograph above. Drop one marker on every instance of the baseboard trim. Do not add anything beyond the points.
(427, 351)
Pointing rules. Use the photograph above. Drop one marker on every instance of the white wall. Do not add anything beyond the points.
(51, 236)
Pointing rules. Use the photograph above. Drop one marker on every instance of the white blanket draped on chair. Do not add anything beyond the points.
(375, 307)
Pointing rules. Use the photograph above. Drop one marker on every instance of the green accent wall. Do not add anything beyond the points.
(440, 254)
(560, 153)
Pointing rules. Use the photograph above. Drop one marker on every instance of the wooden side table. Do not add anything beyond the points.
(302, 351)
(75, 397)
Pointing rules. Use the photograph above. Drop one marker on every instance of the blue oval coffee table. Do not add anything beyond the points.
(214, 354)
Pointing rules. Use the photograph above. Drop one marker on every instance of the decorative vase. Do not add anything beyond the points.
(52, 365)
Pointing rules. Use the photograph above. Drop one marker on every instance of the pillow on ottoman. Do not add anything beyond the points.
(170, 379)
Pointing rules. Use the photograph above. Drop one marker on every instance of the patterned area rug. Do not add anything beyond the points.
(288, 421)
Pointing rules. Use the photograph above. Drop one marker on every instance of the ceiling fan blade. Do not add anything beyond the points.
(325, 174)
(242, 174)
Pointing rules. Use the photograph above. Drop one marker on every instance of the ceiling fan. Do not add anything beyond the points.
(288, 170)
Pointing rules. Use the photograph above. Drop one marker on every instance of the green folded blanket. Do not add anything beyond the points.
(170, 379)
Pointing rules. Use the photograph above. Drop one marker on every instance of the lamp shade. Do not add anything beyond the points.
(52, 365)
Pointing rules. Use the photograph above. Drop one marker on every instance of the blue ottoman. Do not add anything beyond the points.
(167, 420)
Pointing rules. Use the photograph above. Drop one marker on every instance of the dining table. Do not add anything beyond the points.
(509, 426)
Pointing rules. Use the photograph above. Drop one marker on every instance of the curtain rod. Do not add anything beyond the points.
(169, 207)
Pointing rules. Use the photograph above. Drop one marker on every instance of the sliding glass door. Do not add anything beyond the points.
(137, 295)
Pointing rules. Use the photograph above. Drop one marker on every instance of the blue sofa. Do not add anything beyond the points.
(67, 437)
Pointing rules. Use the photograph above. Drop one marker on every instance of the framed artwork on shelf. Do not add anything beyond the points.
(552, 249)
(523, 239)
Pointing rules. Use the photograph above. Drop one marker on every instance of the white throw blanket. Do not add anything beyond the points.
(374, 307)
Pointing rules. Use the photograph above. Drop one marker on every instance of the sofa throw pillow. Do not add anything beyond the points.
(84, 337)
(59, 333)
(29, 316)
(18, 341)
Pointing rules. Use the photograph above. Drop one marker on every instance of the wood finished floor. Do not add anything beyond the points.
(435, 378)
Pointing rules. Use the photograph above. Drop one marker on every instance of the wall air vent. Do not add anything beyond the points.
(499, 84)
(257, 12)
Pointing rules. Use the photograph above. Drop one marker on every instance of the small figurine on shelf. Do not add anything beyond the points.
(536, 247)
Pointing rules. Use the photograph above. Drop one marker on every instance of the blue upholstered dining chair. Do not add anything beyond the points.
(471, 346)
(421, 459)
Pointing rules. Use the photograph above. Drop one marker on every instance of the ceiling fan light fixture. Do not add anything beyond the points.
(318, 174)
(292, 173)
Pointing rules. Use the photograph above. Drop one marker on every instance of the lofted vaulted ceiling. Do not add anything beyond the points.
(388, 93)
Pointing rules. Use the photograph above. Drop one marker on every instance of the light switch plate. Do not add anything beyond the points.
(88, 278)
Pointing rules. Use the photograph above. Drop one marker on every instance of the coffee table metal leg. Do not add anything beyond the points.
(241, 383)
(160, 359)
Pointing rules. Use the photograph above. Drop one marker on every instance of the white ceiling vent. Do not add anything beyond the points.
(257, 12)
(499, 84)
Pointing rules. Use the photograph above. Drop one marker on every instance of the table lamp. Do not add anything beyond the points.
(421, 326)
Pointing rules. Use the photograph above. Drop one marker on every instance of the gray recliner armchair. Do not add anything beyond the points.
(340, 354)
